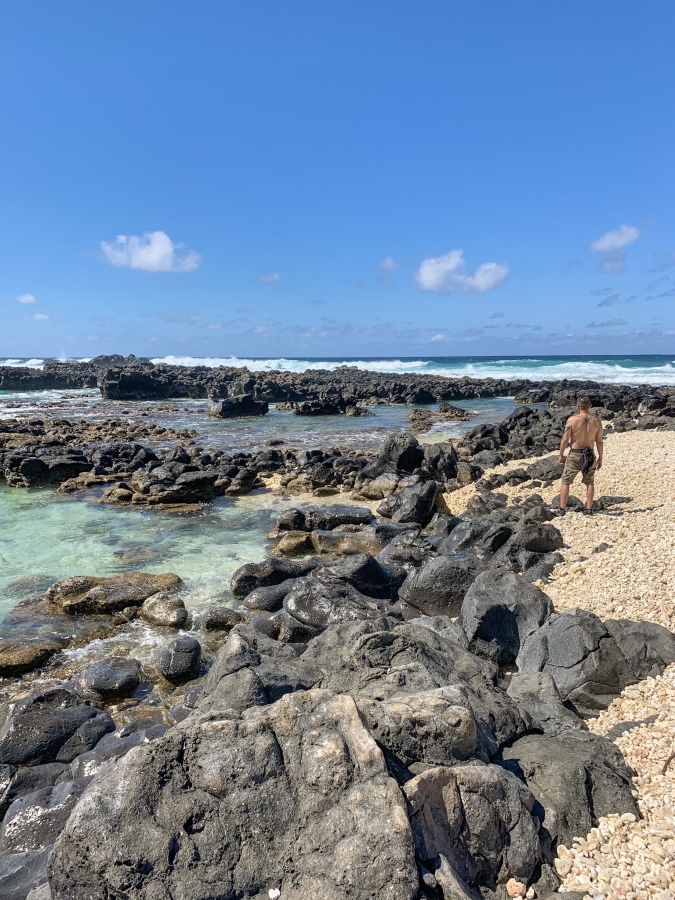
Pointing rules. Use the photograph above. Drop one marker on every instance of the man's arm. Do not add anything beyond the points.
(564, 442)
(598, 444)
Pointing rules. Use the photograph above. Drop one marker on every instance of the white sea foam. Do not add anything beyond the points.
(660, 371)
(509, 369)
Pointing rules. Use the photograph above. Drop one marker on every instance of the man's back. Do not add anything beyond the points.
(584, 429)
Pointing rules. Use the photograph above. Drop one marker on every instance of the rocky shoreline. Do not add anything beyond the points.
(378, 711)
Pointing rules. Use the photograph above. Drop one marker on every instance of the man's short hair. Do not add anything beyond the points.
(584, 403)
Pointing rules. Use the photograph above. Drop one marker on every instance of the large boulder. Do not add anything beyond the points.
(35, 820)
(180, 661)
(588, 664)
(254, 670)
(329, 517)
(500, 610)
(366, 574)
(269, 572)
(538, 695)
(381, 659)
(435, 728)
(439, 587)
(54, 725)
(481, 818)
(576, 776)
(94, 595)
(415, 504)
(236, 407)
(293, 798)
(401, 452)
(320, 601)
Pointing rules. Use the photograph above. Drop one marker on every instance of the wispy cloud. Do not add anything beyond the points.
(606, 323)
(39, 317)
(664, 261)
(438, 337)
(611, 300)
(26, 299)
(269, 278)
(154, 252)
(496, 315)
(611, 245)
(445, 275)
(389, 264)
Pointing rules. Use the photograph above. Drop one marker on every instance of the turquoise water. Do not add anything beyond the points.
(47, 536)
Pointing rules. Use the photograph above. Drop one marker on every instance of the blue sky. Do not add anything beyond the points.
(302, 179)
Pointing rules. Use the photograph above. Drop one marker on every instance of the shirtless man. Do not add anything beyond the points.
(581, 432)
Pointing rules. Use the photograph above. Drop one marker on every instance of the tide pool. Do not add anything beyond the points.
(47, 536)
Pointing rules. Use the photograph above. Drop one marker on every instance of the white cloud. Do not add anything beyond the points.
(26, 298)
(445, 275)
(270, 277)
(438, 337)
(154, 252)
(39, 317)
(611, 245)
(615, 240)
(389, 264)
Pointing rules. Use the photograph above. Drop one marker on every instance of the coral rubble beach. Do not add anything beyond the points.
(431, 687)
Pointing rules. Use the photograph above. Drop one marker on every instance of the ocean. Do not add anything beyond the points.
(639, 369)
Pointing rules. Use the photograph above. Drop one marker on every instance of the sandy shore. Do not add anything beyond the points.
(633, 578)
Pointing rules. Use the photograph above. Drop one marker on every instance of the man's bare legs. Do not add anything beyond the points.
(590, 493)
(564, 495)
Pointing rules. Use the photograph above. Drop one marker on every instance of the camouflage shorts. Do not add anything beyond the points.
(573, 467)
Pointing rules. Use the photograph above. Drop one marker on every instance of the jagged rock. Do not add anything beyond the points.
(501, 610)
(437, 728)
(33, 822)
(481, 817)
(330, 517)
(401, 452)
(576, 776)
(320, 601)
(305, 770)
(238, 407)
(415, 504)
(382, 659)
(538, 695)
(366, 574)
(291, 520)
(377, 488)
(254, 670)
(269, 572)
(294, 543)
(439, 587)
(51, 726)
(588, 665)
(181, 659)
